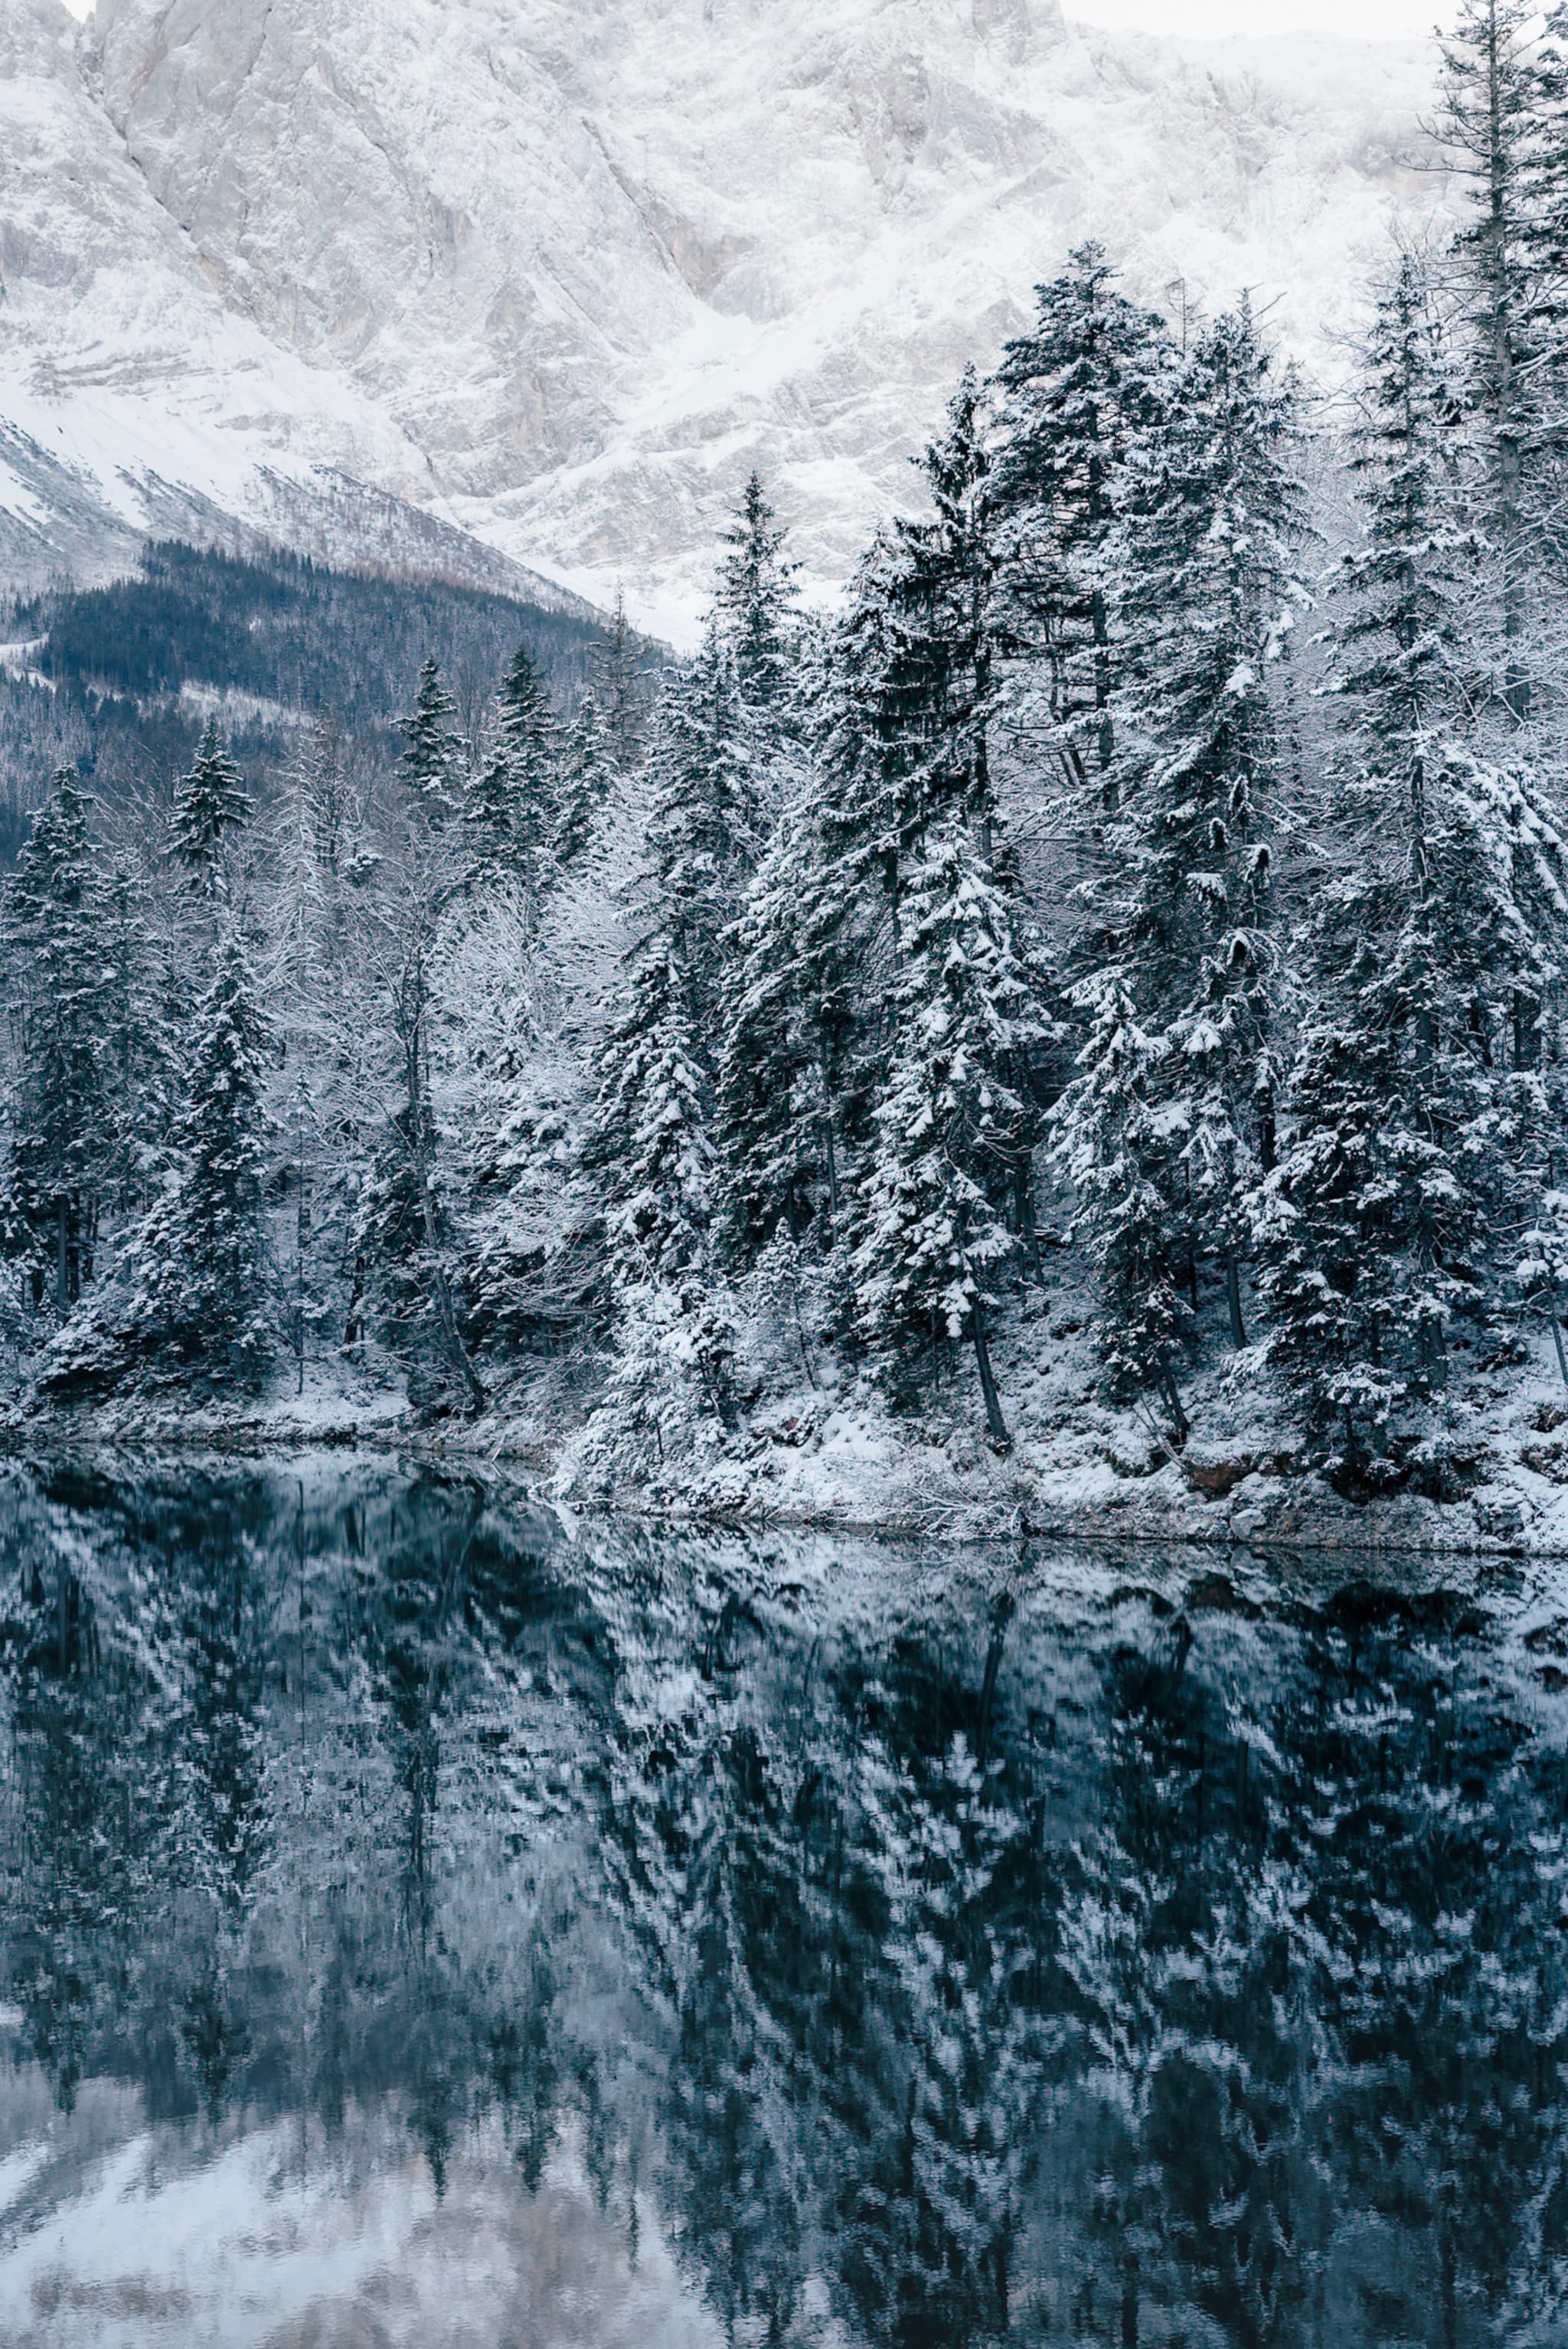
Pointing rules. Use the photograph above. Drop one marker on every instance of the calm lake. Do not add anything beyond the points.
(428, 1923)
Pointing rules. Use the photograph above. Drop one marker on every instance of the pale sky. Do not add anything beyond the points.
(1372, 19)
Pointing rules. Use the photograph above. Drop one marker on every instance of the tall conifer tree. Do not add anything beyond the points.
(62, 1122)
(1172, 1118)
(510, 801)
(211, 804)
(433, 757)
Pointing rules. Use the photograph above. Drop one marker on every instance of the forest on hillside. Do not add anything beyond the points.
(1152, 879)
(118, 680)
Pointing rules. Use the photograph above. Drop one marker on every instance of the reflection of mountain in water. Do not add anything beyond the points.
(447, 1929)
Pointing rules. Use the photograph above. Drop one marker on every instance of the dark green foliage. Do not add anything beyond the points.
(287, 633)
(64, 1010)
(211, 804)
(192, 1292)
(289, 630)
(434, 753)
(753, 599)
(509, 799)
(585, 779)
(1069, 396)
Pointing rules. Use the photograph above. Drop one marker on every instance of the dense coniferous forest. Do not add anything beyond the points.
(1150, 887)
(118, 680)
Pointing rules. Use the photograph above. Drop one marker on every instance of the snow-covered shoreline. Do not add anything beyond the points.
(851, 1467)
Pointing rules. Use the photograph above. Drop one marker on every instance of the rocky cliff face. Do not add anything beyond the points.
(559, 271)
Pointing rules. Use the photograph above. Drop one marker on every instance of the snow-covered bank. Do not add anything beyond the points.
(1489, 1472)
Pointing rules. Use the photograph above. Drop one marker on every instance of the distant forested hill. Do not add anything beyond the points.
(119, 679)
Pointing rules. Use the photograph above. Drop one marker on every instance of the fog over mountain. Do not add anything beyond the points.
(556, 276)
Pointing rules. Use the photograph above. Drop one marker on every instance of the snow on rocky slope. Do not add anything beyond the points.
(557, 272)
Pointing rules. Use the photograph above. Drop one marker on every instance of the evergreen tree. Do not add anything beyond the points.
(405, 1226)
(705, 828)
(753, 600)
(1490, 116)
(209, 1278)
(943, 627)
(935, 1238)
(434, 755)
(652, 1143)
(652, 1138)
(190, 1295)
(618, 685)
(62, 1126)
(1411, 1137)
(587, 777)
(1068, 396)
(210, 804)
(1171, 1120)
(510, 802)
(775, 1099)
(141, 1060)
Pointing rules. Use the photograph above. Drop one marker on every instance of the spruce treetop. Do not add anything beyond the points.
(210, 804)
(510, 799)
(754, 597)
(432, 762)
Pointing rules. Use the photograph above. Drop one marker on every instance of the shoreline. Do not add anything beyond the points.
(1298, 1519)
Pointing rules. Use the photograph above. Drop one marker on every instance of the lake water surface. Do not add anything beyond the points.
(424, 1923)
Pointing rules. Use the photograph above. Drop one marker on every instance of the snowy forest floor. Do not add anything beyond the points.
(1485, 1470)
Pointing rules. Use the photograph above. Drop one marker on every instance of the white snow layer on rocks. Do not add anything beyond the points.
(559, 272)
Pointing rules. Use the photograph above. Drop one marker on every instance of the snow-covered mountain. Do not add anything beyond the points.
(553, 274)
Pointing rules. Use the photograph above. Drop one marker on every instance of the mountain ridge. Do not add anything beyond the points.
(557, 277)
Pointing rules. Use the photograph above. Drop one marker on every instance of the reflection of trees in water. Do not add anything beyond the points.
(1141, 1978)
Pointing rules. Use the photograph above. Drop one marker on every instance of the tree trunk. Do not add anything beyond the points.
(1557, 1336)
(1023, 1200)
(444, 1305)
(1233, 1299)
(994, 1419)
(1173, 1397)
(62, 1260)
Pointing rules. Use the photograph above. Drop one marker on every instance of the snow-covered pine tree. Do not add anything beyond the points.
(618, 678)
(754, 599)
(652, 1147)
(1066, 396)
(889, 734)
(705, 828)
(587, 776)
(211, 804)
(62, 1131)
(948, 1122)
(1363, 1219)
(510, 801)
(1491, 120)
(652, 1140)
(781, 1016)
(214, 1280)
(651, 1137)
(405, 1230)
(1421, 1116)
(142, 1063)
(945, 628)
(191, 1293)
(1171, 1118)
(435, 755)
